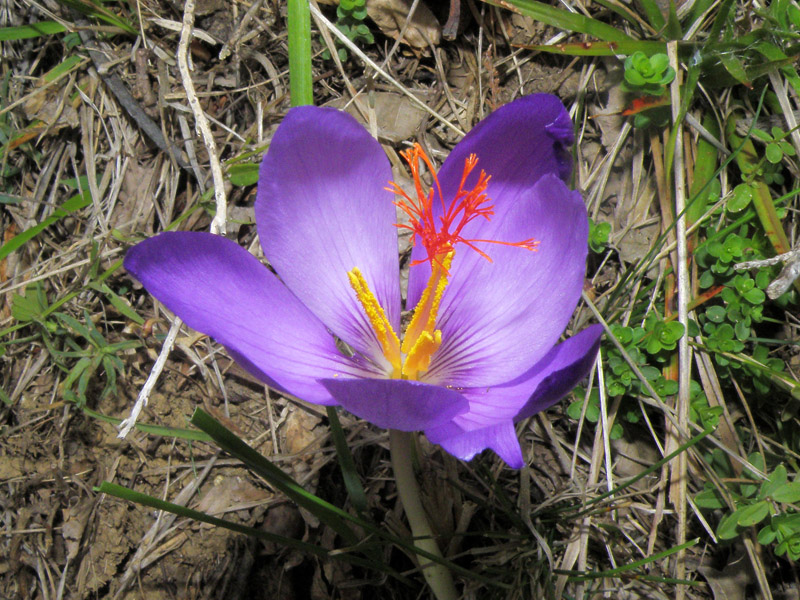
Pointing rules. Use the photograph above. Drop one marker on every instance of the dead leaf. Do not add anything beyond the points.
(51, 107)
(230, 494)
(731, 582)
(391, 16)
(299, 433)
(397, 117)
(75, 519)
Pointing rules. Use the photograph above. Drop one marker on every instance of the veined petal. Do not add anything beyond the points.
(502, 438)
(322, 210)
(492, 409)
(516, 145)
(561, 370)
(397, 403)
(220, 289)
(500, 318)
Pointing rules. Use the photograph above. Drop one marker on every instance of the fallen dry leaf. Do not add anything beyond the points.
(391, 16)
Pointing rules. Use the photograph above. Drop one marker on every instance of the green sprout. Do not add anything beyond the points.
(350, 15)
(648, 75)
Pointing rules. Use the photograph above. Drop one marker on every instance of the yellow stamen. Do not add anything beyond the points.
(390, 343)
(419, 359)
(424, 317)
(421, 340)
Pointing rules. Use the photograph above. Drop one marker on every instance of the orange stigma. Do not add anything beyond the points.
(463, 208)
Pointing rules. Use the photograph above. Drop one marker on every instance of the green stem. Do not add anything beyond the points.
(299, 25)
(438, 577)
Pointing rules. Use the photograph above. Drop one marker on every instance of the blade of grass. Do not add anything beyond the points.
(562, 19)
(263, 467)
(748, 162)
(346, 463)
(653, 14)
(719, 22)
(626, 48)
(585, 506)
(171, 432)
(705, 166)
(24, 32)
(95, 10)
(130, 495)
(324, 511)
(77, 202)
(581, 576)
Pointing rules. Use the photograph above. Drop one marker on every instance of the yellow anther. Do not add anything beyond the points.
(390, 343)
(418, 360)
(424, 319)
(421, 340)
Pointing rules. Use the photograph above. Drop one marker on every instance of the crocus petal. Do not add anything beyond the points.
(561, 370)
(322, 210)
(502, 438)
(397, 403)
(499, 318)
(492, 409)
(220, 289)
(516, 145)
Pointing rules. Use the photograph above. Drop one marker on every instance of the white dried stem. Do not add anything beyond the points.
(201, 121)
(217, 224)
(679, 471)
(787, 276)
(144, 394)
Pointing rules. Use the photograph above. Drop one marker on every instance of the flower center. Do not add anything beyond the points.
(411, 358)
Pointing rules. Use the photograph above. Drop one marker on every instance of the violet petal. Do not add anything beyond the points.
(322, 210)
(502, 438)
(397, 403)
(561, 370)
(220, 289)
(499, 318)
(516, 145)
(538, 389)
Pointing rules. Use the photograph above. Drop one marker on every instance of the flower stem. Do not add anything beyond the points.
(438, 577)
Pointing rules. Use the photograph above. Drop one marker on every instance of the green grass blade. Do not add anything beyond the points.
(191, 435)
(653, 14)
(626, 48)
(748, 161)
(562, 19)
(228, 441)
(118, 491)
(130, 495)
(325, 511)
(719, 22)
(581, 576)
(24, 32)
(705, 167)
(75, 203)
(118, 302)
(346, 463)
(94, 9)
(300, 81)
(699, 11)
(673, 29)
(623, 11)
(586, 506)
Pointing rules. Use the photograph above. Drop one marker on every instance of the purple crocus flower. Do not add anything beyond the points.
(499, 263)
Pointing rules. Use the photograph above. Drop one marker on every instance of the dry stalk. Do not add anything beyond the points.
(201, 121)
(217, 224)
(320, 18)
(680, 466)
